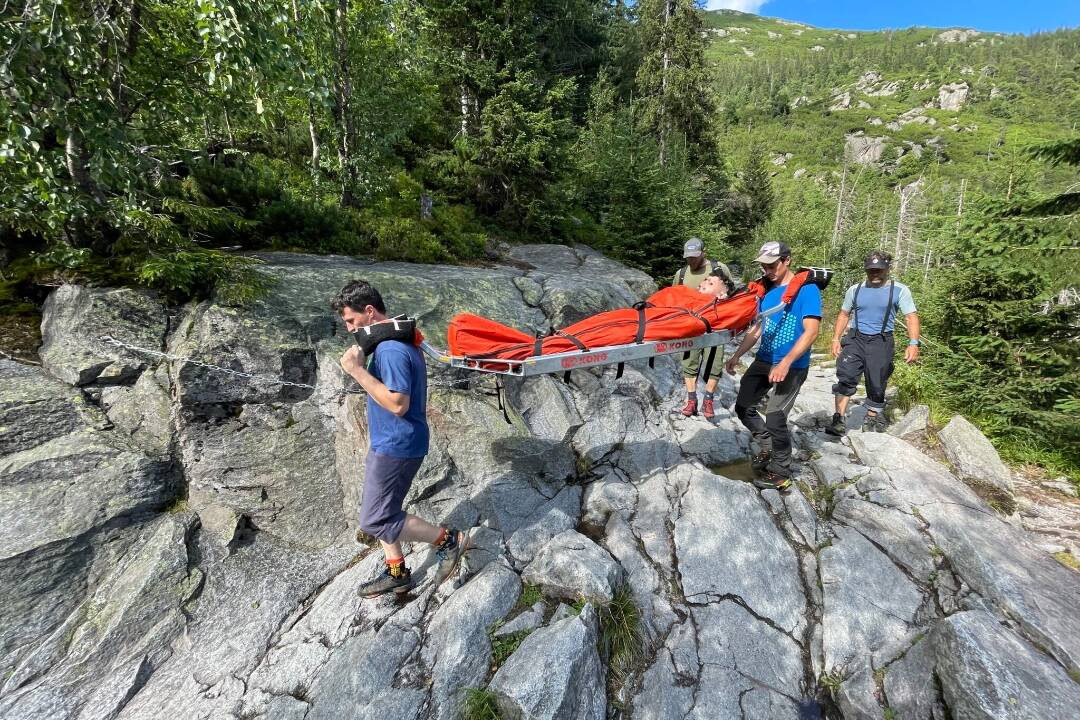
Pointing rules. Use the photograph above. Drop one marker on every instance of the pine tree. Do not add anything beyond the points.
(673, 77)
(752, 201)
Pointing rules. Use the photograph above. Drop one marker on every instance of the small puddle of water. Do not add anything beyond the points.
(739, 470)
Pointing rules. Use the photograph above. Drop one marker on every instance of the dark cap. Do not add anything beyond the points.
(877, 260)
(694, 247)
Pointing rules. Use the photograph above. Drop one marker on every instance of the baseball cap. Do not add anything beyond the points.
(770, 252)
(877, 260)
(694, 247)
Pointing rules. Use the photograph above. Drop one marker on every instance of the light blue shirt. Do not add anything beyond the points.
(872, 303)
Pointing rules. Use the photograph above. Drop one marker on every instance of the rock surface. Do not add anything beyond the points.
(974, 458)
(180, 543)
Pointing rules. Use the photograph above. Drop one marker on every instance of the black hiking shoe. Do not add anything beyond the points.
(875, 423)
(759, 462)
(837, 427)
(450, 551)
(387, 583)
(772, 481)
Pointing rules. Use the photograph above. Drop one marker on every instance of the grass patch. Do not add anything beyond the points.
(832, 681)
(620, 634)
(480, 705)
(1075, 675)
(890, 714)
(1066, 558)
(503, 647)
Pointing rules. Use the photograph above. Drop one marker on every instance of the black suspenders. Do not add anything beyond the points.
(888, 308)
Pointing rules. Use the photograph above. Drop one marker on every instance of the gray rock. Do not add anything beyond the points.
(75, 317)
(111, 642)
(609, 495)
(571, 566)
(547, 407)
(915, 420)
(143, 412)
(868, 601)
(561, 612)
(863, 150)
(857, 697)
(646, 585)
(527, 620)
(34, 408)
(974, 458)
(744, 663)
(909, 683)
(833, 469)
(37, 483)
(572, 685)
(558, 515)
(718, 443)
(458, 650)
(952, 96)
(668, 686)
(737, 552)
(899, 534)
(987, 671)
(997, 561)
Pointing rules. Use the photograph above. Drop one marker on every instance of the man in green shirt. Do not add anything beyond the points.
(697, 268)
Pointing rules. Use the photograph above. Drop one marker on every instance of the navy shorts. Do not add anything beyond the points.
(386, 482)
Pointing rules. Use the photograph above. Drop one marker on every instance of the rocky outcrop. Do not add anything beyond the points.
(860, 148)
(973, 457)
(177, 542)
(952, 96)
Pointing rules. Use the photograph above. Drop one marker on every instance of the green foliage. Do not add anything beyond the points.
(504, 646)
(620, 634)
(479, 704)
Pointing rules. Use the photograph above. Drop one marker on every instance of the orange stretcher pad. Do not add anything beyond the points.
(672, 313)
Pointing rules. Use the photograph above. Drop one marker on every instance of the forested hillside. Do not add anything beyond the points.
(153, 144)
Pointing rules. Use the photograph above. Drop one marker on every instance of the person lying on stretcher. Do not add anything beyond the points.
(714, 285)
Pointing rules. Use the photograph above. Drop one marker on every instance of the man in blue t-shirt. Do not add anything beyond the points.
(395, 380)
(781, 365)
(866, 350)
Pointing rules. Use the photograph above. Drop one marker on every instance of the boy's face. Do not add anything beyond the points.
(713, 285)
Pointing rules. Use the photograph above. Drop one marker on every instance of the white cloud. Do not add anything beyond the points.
(750, 6)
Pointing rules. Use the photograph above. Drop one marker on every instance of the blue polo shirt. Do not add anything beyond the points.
(780, 331)
(400, 367)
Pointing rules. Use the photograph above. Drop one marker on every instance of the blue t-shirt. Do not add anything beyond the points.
(400, 367)
(780, 331)
(872, 302)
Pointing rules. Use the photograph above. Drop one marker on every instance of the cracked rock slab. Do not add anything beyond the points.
(989, 673)
(728, 545)
(869, 602)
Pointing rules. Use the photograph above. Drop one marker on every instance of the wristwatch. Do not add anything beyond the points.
(915, 341)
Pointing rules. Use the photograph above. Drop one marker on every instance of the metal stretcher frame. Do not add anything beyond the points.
(567, 361)
(564, 362)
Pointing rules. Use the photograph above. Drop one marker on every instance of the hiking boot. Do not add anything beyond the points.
(690, 408)
(387, 583)
(707, 408)
(837, 427)
(450, 551)
(875, 423)
(760, 461)
(772, 481)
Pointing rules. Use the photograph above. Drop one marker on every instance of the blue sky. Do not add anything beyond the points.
(996, 15)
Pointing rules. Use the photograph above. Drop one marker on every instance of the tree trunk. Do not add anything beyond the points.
(343, 98)
(669, 10)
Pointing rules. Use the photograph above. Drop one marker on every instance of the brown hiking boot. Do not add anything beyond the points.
(707, 408)
(690, 408)
(450, 551)
(772, 481)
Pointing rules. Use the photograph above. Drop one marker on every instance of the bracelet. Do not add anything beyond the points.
(915, 341)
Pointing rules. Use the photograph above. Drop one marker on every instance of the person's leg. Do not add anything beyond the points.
(752, 388)
(691, 366)
(776, 413)
(879, 366)
(707, 408)
(386, 481)
(849, 368)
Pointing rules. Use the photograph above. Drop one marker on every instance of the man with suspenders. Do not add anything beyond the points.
(696, 270)
(866, 349)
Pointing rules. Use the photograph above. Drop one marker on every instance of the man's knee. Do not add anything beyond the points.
(844, 386)
(776, 421)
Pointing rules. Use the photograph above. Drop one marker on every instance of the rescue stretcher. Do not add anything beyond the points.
(508, 352)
